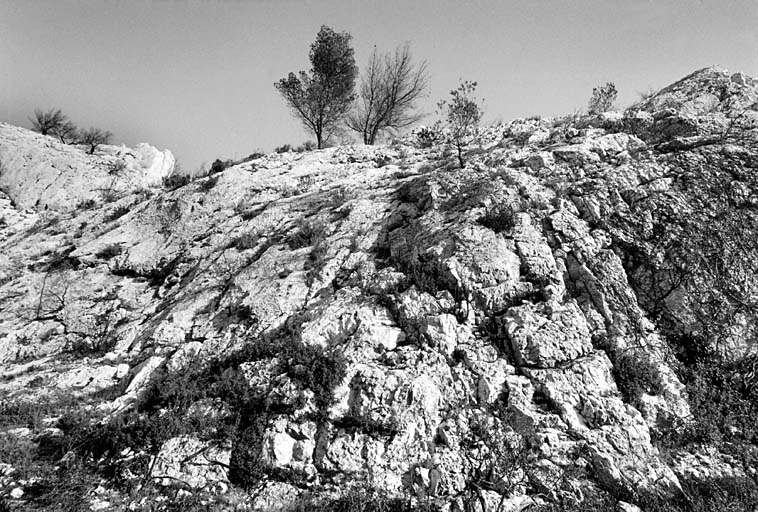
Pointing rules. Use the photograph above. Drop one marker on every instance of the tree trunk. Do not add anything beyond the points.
(460, 154)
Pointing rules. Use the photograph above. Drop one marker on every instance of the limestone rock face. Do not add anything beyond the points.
(40, 173)
(192, 462)
(306, 324)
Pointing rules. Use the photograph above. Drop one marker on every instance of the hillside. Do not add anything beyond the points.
(570, 321)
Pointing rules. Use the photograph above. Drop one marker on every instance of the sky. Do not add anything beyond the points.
(197, 77)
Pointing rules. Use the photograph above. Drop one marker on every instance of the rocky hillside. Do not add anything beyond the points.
(568, 322)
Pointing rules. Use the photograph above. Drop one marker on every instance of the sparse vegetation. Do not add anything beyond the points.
(322, 97)
(429, 136)
(219, 165)
(390, 88)
(54, 123)
(117, 213)
(117, 167)
(109, 251)
(602, 99)
(94, 137)
(176, 180)
(307, 233)
(209, 183)
(499, 218)
(462, 114)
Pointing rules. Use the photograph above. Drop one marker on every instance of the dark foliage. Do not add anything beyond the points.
(174, 180)
(499, 218)
(322, 97)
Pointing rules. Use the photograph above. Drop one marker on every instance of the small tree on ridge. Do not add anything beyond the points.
(602, 98)
(322, 97)
(55, 123)
(462, 114)
(94, 137)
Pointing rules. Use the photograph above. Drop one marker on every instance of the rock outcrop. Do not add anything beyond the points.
(487, 338)
(40, 173)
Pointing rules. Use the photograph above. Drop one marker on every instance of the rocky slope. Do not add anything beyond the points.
(370, 323)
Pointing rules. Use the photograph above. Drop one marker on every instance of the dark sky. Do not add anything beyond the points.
(196, 76)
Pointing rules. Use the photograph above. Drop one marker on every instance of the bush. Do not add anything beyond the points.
(308, 145)
(219, 165)
(86, 204)
(634, 377)
(109, 251)
(117, 213)
(117, 167)
(500, 218)
(307, 234)
(209, 183)
(283, 149)
(428, 137)
(245, 241)
(175, 180)
(602, 99)
(252, 156)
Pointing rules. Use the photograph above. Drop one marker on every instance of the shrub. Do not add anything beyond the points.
(308, 145)
(86, 204)
(245, 241)
(283, 149)
(308, 233)
(117, 167)
(634, 377)
(382, 161)
(319, 369)
(429, 136)
(209, 183)
(500, 218)
(174, 180)
(602, 98)
(252, 156)
(109, 251)
(219, 165)
(117, 213)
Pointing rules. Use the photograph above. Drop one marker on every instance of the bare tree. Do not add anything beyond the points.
(67, 132)
(94, 137)
(53, 122)
(388, 94)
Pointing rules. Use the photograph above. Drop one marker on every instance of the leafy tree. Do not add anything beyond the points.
(94, 137)
(322, 97)
(462, 114)
(55, 123)
(602, 98)
(389, 90)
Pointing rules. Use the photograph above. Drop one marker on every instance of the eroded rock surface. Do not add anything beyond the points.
(451, 335)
